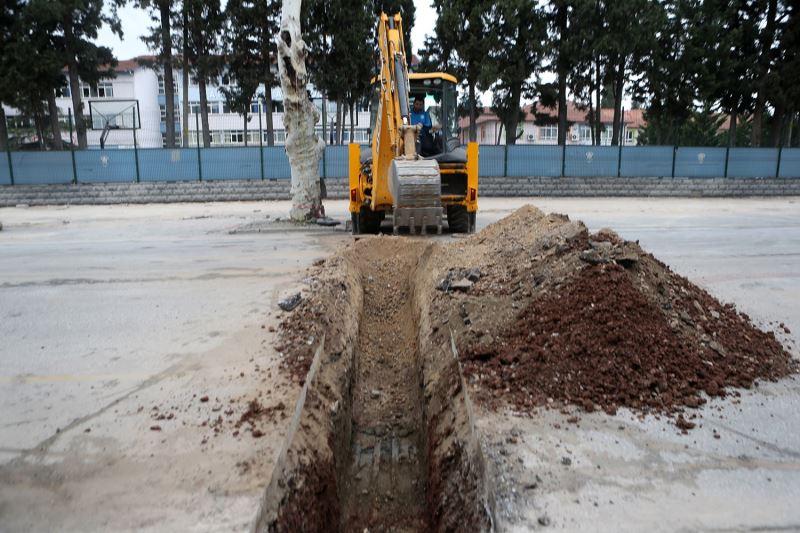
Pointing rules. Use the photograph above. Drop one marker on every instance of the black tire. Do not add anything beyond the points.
(458, 219)
(369, 222)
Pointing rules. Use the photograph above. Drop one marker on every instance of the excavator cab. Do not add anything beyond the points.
(415, 169)
(437, 93)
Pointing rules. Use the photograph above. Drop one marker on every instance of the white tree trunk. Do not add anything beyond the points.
(300, 116)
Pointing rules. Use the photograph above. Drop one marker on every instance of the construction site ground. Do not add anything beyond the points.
(140, 388)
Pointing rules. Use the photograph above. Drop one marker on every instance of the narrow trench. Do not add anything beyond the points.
(385, 478)
(382, 438)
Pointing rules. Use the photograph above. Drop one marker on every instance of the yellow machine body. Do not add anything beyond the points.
(369, 171)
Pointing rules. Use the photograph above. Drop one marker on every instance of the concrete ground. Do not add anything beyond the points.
(109, 312)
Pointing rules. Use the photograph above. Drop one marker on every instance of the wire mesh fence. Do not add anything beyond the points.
(271, 162)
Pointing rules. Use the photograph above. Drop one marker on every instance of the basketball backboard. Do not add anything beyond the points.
(114, 114)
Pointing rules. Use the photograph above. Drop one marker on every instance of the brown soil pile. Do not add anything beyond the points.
(563, 316)
(602, 342)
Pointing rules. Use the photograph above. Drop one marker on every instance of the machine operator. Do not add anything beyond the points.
(419, 115)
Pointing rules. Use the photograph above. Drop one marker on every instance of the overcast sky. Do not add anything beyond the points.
(136, 21)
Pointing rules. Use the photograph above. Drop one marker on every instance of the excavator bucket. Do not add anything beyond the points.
(416, 187)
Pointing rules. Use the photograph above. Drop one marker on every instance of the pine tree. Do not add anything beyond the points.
(250, 33)
(78, 24)
(517, 31)
(565, 45)
(162, 41)
(204, 20)
(11, 33)
(460, 47)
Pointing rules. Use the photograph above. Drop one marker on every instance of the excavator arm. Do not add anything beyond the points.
(399, 180)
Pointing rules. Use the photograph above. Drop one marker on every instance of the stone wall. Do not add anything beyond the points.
(238, 190)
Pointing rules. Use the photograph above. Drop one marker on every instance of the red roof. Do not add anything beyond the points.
(634, 118)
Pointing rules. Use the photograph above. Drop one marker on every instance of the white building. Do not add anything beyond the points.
(146, 86)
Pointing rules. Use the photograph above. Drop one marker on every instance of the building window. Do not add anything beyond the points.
(194, 108)
(63, 92)
(234, 137)
(101, 90)
(584, 132)
(227, 81)
(548, 133)
(255, 108)
(629, 135)
(161, 85)
(214, 108)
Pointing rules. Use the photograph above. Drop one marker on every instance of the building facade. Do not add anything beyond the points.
(489, 130)
(145, 86)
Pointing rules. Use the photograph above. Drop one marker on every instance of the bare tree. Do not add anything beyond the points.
(303, 147)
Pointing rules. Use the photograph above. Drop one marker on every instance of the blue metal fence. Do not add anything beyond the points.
(161, 164)
(270, 162)
(533, 160)
(646, 161)
(789, 163)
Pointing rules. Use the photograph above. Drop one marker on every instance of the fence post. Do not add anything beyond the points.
(260, 142)
(780, 154)
(563, 158)
(727, 153)
(69, 113)
(197, 135)
(135, 147)
(674, 153)
(505, 160)
(8, 154)
(72, 150)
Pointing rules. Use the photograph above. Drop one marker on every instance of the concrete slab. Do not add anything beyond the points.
(112, 316)
(106, 310)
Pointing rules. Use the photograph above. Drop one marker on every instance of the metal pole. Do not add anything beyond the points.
(505, 160)
(621, 141)
(8, 155)
(72, 149)
(135, 147)
(674, 153)
(780, 153)
(563, 158)
(727, 153)
(69, 114)
(260, 141)
(197, 134)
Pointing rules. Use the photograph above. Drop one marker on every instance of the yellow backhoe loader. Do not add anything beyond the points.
(415, 169)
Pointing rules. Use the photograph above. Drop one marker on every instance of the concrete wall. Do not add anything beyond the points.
(238, 190)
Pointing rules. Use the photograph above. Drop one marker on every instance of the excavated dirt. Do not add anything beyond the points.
(393, 335)
(560, 315)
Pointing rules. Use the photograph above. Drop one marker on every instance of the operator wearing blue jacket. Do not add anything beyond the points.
(420, 116)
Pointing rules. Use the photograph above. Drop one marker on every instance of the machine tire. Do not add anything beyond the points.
(458, 219)
(369, 222)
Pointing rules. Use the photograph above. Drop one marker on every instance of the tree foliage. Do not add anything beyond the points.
(517, 32)
(251, 27)
(460, 47)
